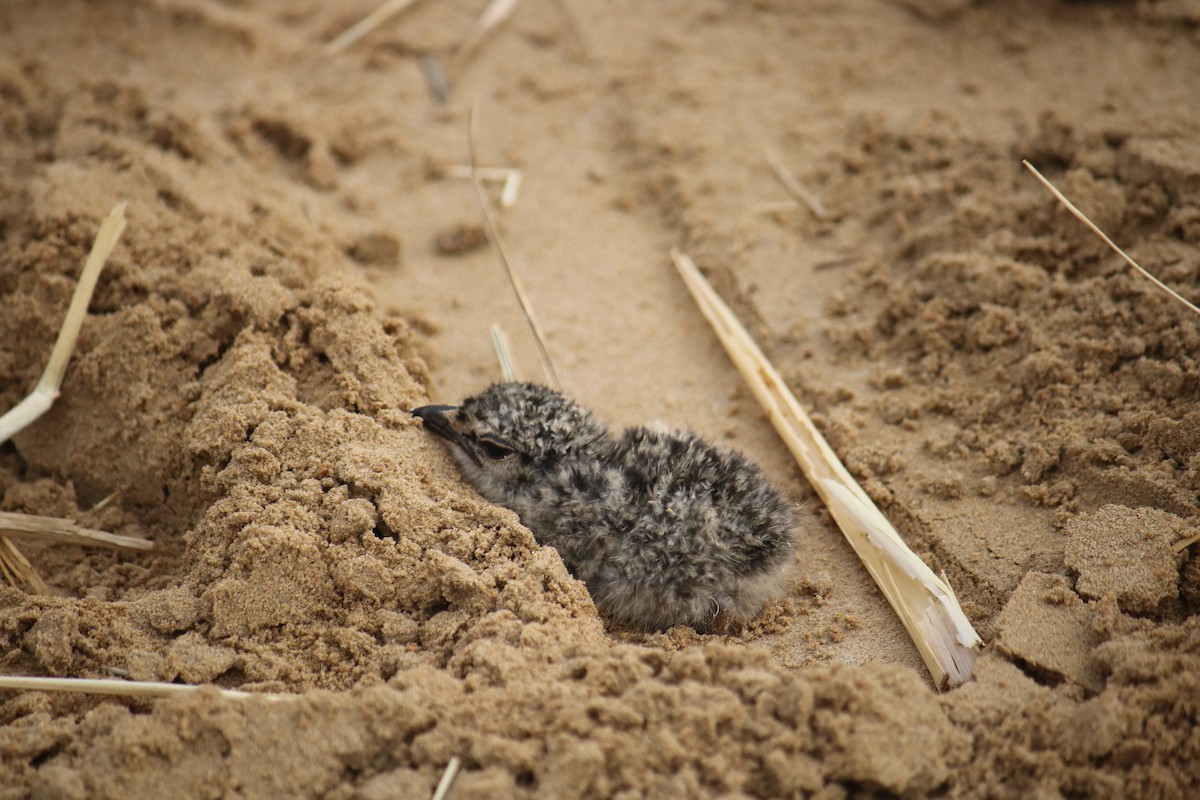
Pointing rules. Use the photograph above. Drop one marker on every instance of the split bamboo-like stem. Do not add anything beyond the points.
(924, 601)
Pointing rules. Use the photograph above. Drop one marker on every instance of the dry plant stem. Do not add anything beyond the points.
(122, 688)
(924, 602)
(500, 342)
(18, 570)
(1184, 544)
(46, 391)
(1104, 238)
(447, 782)
(9, 577)
(106, 500)
(511, 189)
(526, 308)
(64, 531)
(793, 185)
(367, 24)
(497, 12)
(510, 178)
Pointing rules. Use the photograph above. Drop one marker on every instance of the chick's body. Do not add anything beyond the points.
(663, 528)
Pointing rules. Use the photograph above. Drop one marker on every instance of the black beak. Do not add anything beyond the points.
(437, 419)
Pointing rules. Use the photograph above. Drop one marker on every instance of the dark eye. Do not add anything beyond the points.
(495, 448)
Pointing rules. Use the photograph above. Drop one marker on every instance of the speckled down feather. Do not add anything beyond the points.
(663, 528)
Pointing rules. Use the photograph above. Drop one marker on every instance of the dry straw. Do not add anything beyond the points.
(14, 567)
(495, 15)
(1104, 237)
(519, 290)
(793, 185)
(448, 777)
(123, 688)
(924, 602)
(1188, 541)
(367, 24)
(63, 531)
(508, 178)
(500, 343)
(44, 395)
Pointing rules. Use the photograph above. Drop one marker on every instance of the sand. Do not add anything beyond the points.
(300, 269)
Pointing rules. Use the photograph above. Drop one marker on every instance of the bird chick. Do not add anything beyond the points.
(663, 528)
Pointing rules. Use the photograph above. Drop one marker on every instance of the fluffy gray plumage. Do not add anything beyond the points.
(663, 528)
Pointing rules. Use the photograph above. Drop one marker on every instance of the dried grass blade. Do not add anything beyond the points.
(46, 391)
(1062, 198)
(447, 782)
(367, 24)
(500, 342)
(18, 569)
(924, 602)
(497, 12)
(64, 531)
(510, 178)
(511, 189)
(122, 688)
(1186, 542)
(796, 189)
(526, 308)
(6, 572)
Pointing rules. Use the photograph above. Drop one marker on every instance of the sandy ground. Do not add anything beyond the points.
(1019, 404)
